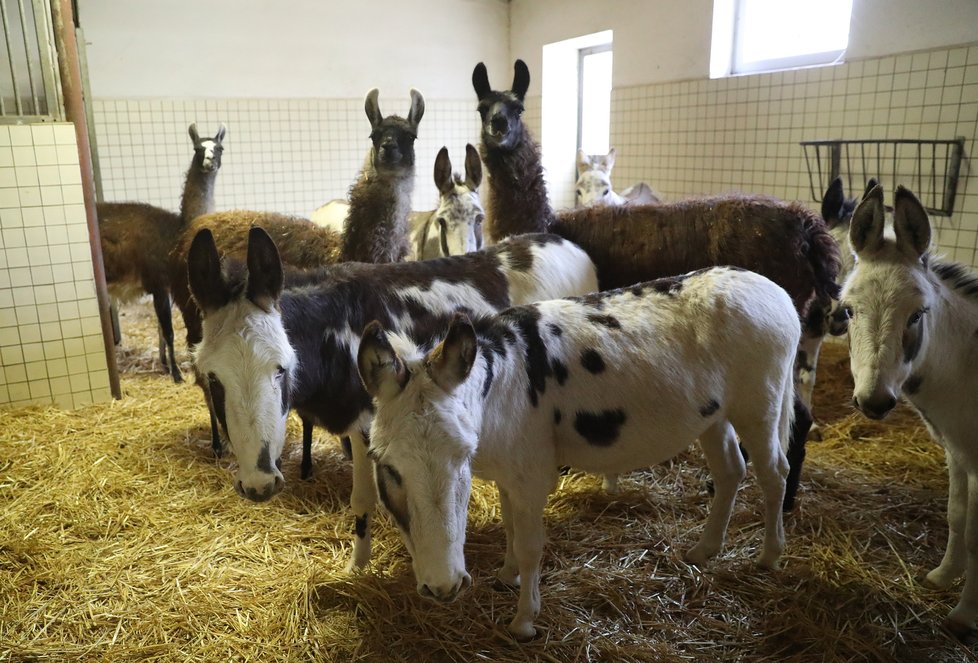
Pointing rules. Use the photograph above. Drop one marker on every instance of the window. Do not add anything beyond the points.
(594, 99)
(752, 36)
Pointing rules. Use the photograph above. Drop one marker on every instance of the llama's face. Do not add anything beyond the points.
(421, 441)
(393, 144)
(887, 297)
(502, 120)
(459, 219)
(594, 188)
(207, 151)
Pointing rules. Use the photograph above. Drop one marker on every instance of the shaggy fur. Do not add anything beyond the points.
(376, 226)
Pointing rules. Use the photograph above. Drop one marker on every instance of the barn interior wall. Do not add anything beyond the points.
(51, 348)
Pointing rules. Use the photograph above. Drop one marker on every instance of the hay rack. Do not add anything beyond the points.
(929, 168)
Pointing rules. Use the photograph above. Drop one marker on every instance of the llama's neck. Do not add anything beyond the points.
(376, 228)
(517, 201)
(198, 193)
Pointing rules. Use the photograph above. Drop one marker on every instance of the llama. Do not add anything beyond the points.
(459, 214)
(136, 239)
(913, 331)
(376, 227)
(785, 242)
(267, 349)
(609, 382)
(594, 183)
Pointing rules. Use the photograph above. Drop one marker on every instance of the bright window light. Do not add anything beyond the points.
(595, 100)
(764, 35)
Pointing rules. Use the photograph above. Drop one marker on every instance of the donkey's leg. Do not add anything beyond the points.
(305, 469)
(527, 506)
(728, 469)
(955, 555)
(760, 436)
(164, 315)
(806, 365)
(800, 426)
(509, 574)
(362, 500)
(961, 620)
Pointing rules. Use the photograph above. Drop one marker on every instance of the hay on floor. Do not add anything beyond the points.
(122, 539)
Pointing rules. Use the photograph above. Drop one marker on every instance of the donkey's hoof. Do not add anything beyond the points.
(814, 433)
(788, 505)
(523, 631)
(939, 578)
(699, 555)
(769, 561)
(177, 377)
(967, 634)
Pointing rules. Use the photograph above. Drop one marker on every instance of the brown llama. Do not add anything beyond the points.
(376, 227)
(137, 239)
(785, 242)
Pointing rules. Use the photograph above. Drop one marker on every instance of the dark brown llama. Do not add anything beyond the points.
(137, 239)
(376, 227)
(785, 242)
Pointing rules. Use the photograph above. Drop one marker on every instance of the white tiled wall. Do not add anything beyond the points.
(284, 155)
(51, 348)
(743, 133)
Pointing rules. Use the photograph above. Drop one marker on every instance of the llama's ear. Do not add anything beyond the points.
(832, 201)
(221, 133)
(372, 108)
(382, 372)
(609, 161)
(443, 172)
(473, 167)
(452, 360)
(521, 79)
(417, 110)
(264, 269)
(866, 226)
(207, 283)
(583, 161)
(910, 223)
(194, 136)
(480, 81)
(870, 184)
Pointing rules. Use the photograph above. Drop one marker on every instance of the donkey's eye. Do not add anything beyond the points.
(480, 218)
(915, 318)
(605, 193)
(279, 373)
(443, 223)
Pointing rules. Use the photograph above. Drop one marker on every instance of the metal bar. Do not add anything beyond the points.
(89, 113)
(808, 166)
(27, 54)
(951, 189)
(10, 57)
(49, 65)
(64, 32)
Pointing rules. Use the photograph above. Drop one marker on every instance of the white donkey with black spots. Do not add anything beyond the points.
(913, 330)
(607, 383)
(268, 347)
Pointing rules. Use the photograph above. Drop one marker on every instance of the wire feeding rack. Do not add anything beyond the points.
(929, 168)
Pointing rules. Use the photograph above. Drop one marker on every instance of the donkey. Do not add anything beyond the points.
(594, 183)
(609, 382)
(913, 331)
(376, 228)
(455, 227)
(268, 349)
(136, 239)
(786, 242)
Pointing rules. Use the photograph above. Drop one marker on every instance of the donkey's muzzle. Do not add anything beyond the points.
(875, 406)
(446, 594)
(260, 494)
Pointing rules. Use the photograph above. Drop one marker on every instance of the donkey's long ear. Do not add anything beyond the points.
(207, 283)
(870, 183)
(443, 172)
(910, 223)
(583, 161)
(866, 226)
(372, 108)
(264, 269)
(194, 136)
(221, 133)
(382, 372)
(473, 167)
(480, 81)
(521, 79)
(609, 161)
(450, 362)
(832, 201)
(417, 110)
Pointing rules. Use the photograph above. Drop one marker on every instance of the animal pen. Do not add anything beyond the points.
(126, 532)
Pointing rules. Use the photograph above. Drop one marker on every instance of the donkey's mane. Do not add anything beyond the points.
(956, 275)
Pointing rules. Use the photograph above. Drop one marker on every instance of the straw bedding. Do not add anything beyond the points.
(121, 538)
